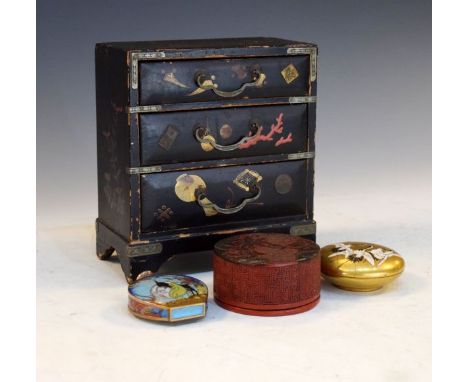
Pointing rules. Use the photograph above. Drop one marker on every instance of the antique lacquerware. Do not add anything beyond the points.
(266, 274)
(360, 267)
(199, 140)
(168, 298)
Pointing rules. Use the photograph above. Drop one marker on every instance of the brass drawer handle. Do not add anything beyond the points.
(206, 82)
(192, 188)
(208, 142)
(207, 205)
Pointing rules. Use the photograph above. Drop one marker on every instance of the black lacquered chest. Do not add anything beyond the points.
(201, 139)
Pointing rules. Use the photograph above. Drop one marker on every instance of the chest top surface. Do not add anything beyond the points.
(206, 43)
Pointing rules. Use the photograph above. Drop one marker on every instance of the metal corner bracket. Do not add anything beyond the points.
(143, 170)
(303, 229)
(313, 64)
(312, 52)
(144, 109)
(308, 99)
(137, 56)
(145, 249)
(305, 155)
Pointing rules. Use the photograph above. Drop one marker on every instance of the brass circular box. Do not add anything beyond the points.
(359, 266)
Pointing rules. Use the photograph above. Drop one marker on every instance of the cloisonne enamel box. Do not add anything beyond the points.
(199, 140)
(168, 298)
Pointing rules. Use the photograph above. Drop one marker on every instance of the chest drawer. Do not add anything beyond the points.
(181, 81)
(177, 200)
(223, 133)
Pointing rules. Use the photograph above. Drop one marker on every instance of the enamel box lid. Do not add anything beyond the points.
(168, 298)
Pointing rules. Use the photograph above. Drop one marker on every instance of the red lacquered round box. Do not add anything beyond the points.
(266, 274)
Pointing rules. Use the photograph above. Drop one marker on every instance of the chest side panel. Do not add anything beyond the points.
(112, 139)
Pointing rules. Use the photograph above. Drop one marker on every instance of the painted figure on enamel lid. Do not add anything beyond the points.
(168, 289)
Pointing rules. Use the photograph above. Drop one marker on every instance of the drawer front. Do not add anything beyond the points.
(179, 81)
(177, 200)
(222, 133)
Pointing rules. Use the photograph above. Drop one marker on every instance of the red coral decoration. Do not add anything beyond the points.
(284, 140)
(276, 128)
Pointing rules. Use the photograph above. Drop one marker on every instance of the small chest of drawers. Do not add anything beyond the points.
(201, 139)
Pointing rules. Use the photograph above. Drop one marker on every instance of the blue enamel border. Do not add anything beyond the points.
(186, 312)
